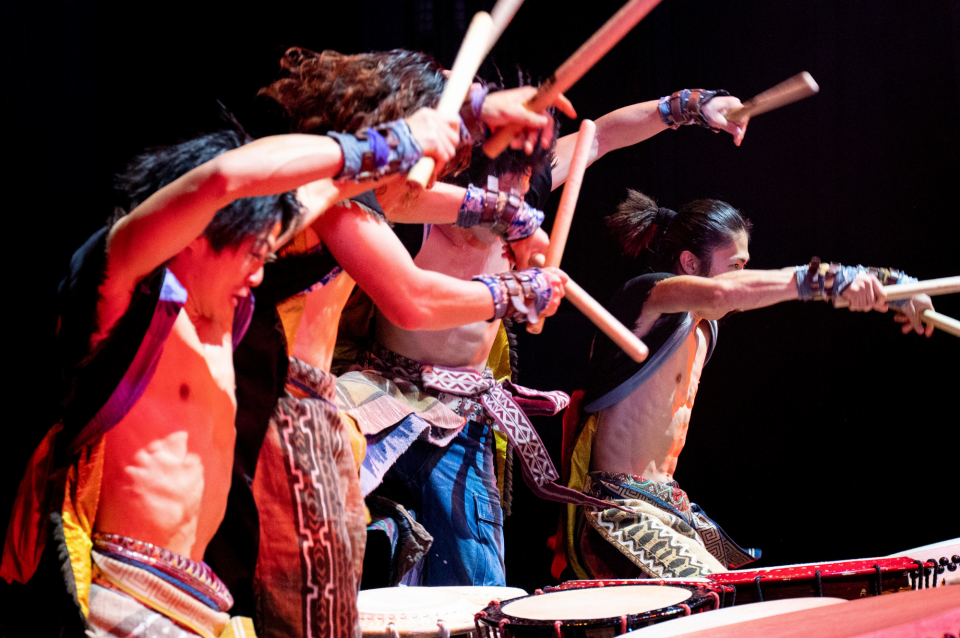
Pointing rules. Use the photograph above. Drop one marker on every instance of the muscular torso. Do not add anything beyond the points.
(644, 434)
(459, 253)
(168, 462)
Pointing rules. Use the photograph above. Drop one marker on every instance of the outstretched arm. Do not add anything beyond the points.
(411, 298)
(713, 297)
(635, 123)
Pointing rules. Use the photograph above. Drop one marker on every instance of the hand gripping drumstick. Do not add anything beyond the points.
(791, 90)
(943, 286)
(568, 201)
(602, 319)
(469, 57)
(576, 65)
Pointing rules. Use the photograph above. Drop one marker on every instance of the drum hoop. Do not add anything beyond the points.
(698, 599)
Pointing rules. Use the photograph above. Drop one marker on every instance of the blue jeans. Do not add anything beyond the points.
(453, 493)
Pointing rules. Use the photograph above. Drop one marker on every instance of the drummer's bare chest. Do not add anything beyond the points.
(192, 389)
(459, 253)
(671, 388)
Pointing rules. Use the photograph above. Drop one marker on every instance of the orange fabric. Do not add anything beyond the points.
(27, 530)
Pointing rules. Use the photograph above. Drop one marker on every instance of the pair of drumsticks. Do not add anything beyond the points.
(485, 29)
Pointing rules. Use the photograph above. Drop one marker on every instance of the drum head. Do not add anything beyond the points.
(413, 611)
(483, 596)
(594, 604)
(730, 616)
(416, 611)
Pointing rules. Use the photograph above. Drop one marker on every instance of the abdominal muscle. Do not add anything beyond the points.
(644, 434)
(458, 253)
(167, 464)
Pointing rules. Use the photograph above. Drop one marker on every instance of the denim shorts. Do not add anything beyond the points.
(453, 493)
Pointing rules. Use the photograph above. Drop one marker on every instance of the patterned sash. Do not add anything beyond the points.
(506, 403)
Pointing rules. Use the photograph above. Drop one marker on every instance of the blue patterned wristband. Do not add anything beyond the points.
(471, 210)
(886, 276)
(505, 214)
(521, 296)
(812, 279)
(498, 292)
(377, 152)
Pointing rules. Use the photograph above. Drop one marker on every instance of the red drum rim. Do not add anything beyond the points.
(699, 599)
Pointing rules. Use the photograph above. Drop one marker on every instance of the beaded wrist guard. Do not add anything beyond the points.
(505, 214)
(811, 280)
(520, 296)
(377, 152)
(818, 281)
(472, 127)
(887, 276)
(686, 106)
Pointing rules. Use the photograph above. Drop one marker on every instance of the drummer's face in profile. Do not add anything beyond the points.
(733, 256)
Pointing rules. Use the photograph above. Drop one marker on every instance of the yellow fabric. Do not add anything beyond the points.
(239, 627)
(291, 314)
(499, 363)
(80, 500)
(501, 441)
(358, 444)
(579, 467)
(499, 359)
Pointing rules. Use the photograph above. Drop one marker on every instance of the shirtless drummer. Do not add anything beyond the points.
(137, 473)
(622, 446)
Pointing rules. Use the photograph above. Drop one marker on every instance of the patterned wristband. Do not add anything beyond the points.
(471, 210)
(377, 152)
(525, 221)
(886, 276)
(505, 214)
(686, 107)
(811, 280)
(521, 296)
(498, 292)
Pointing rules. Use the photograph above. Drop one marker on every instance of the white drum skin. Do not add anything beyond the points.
(415, 612)
(597, 603)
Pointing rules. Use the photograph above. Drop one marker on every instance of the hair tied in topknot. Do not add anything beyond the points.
(664, 217)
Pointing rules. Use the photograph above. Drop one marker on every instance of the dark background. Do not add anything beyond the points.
(819, 434)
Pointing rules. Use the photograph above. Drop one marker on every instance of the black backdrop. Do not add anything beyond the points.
(818, 434)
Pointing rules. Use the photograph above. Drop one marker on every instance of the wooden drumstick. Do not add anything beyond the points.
(602, 318)
(576, 65)
(791, 90)
(933, 287)
(943, 322)
(501, 14)
(568, 201)
(469, 57)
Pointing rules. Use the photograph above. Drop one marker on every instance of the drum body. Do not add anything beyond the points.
(849, 580)
(732, 616)
(425, 612)
(593, 612)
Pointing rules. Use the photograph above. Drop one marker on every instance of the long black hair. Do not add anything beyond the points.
(243, 218)
(658, 236)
